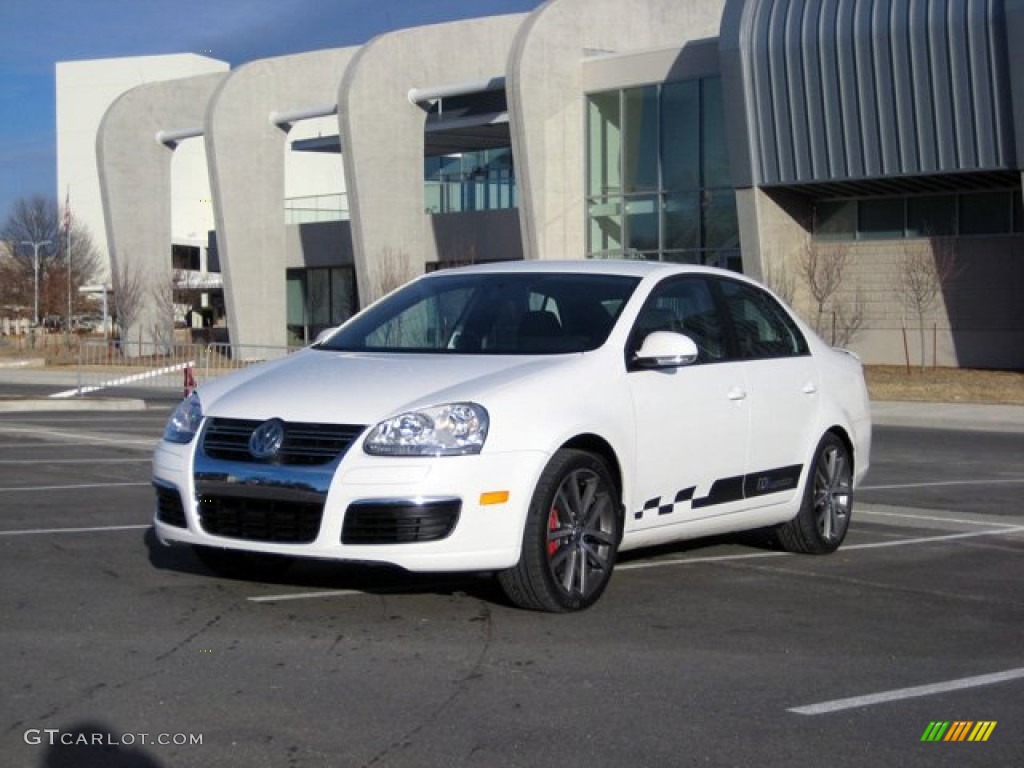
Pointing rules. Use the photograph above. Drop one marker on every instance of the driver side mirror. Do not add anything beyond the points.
(665, 349)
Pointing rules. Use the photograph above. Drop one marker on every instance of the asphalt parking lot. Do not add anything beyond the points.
(119, 652)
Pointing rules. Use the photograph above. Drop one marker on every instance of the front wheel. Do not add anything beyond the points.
(571, 536)
(824, 517)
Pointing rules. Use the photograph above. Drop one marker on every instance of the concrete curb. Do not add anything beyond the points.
(962, 416)
(33, 404)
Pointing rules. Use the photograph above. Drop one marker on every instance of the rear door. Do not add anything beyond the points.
(782, 388)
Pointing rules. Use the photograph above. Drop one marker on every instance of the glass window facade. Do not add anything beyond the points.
(992, 212)
(470, 181)
(658, 180)
(318, 299)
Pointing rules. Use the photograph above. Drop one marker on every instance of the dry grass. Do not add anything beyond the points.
(945, 385)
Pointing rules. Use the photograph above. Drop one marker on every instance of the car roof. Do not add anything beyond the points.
(624, 267)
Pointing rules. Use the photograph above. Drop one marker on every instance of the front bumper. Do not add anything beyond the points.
(429, 510)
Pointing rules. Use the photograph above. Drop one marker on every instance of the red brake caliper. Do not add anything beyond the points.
(552, 526)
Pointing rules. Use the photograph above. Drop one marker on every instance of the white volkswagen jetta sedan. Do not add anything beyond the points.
(531, 419)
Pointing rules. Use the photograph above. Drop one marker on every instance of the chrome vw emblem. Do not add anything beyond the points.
(266, 440)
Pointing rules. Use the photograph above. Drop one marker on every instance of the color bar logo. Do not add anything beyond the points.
(958, 730)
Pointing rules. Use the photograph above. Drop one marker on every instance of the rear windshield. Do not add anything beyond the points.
(491, 314)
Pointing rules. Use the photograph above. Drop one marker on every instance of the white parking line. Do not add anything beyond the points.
(75, 461)
(854, 702)
(930, 539)
(930, 518)
(32, 488)
(74, 437)
(36, 531)
(943, 483)
(305, 595)
(844, 548)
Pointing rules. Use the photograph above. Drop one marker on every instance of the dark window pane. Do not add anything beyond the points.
(604, 141)
(680, 135)
(985, 213)
(642, 223)
(604, 233)
(343, 290)
(721, 227)
(1018, 212)
(880, 219)
(931, 215)
(682, 221)
(835, 219)
(640, 160)
(716, 159)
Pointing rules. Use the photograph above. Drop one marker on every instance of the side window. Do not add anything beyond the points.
(763, 328)
(684, 305)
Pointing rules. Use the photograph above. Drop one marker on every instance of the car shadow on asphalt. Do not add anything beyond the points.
(371, 578)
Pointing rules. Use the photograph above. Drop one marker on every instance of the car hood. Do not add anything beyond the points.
(363, 388)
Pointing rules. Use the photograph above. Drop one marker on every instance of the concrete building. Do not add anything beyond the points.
(85, 91)
(776, 137)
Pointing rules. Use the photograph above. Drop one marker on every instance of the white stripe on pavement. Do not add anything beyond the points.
(36, 531)
(898, 694)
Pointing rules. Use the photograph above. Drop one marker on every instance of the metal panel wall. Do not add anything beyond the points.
(836, 90)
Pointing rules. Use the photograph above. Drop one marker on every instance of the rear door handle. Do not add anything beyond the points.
(737, 394)
(810, 388)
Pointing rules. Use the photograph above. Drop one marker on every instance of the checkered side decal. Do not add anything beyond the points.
(668, 508)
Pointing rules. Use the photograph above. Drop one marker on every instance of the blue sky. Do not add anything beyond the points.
(39, 33)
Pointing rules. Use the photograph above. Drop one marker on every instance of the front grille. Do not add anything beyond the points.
(304, 444)
(399, 522)
(169, 508)
(291, 522)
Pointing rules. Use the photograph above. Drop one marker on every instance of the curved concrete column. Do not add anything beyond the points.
(246, 155)
(382, 136)
(546, 105)
(135, 186)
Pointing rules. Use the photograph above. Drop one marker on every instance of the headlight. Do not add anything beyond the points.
(456, 429)
(184, 422)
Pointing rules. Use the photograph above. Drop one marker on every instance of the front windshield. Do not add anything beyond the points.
(491, 314)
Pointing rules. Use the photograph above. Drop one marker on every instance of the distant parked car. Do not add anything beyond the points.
(532, 419)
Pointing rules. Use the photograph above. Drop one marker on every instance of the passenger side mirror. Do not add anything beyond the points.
(665, 349)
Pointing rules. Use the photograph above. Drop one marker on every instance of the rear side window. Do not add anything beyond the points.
(763, 328)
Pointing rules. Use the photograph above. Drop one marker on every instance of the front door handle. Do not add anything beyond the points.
(809, 388)
(737, 394)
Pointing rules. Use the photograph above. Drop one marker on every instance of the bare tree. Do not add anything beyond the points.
(391, 271)
(161, 300)
(39, 219)
(823, 269)
(923, 274)
(780, 278)
(129, 297)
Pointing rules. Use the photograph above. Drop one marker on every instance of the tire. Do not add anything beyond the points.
(824, 517)
(236, 564)
(571, 537)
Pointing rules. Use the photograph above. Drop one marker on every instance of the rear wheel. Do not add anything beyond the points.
(824, 517)
(236, 564)
(571, 536)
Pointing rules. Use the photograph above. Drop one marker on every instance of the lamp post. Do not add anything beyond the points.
(35, 261)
